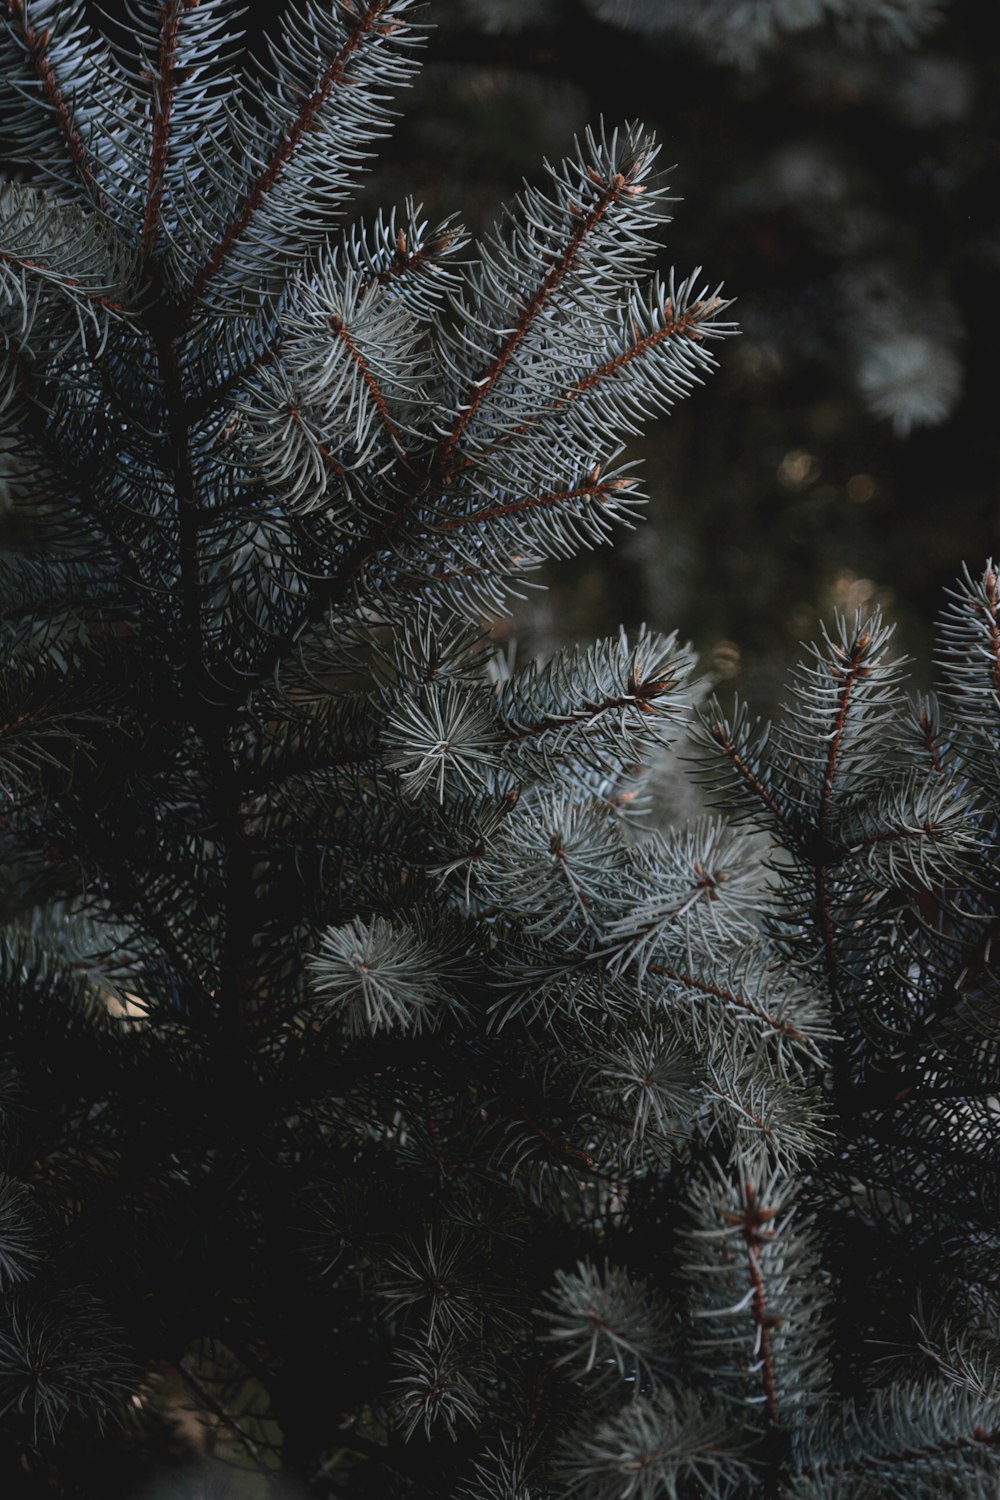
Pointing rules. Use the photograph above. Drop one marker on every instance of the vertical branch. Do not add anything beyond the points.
(929, 741)
(195, 682)
(164, 85)
(854, 670)
(754, 1228)
(179, 435)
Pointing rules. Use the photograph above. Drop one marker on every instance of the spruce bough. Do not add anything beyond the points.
(367, 1073)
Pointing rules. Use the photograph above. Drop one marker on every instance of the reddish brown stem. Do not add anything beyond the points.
(98, 298)
(321, 448)
(738, 1104)
(361, 27)
(163, 101)
(596, 490)
(640, 696)
(684, 325)
(561, 265)
(753, 1223)
(979, 1437)
(854, 671)
(730, 997)
(371, 384)
(720, 735)
(407, 260)
(927, 735)
(36, 45)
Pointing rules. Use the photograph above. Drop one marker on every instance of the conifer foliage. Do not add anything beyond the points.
(367, 1075)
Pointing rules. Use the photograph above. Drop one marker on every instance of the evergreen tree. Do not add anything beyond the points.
(366, 1073)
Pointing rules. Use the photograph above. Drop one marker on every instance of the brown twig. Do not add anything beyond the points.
(753, 1222)
(226, 1417)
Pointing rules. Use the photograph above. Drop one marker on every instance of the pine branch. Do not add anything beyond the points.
(916, 1437)
(929, 731)
(36, 46)
(406, 260)
(164, 86)
(621, 186)
(63, 245)
(754, 1224)
(373, 21)
(722, 736)
(596, 489)
(672, 325)
(853, 668)
(728, 996)
(370, 382)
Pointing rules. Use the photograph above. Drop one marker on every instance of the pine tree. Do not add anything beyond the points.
(735, 33)
(367, 1074)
